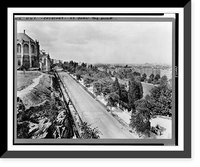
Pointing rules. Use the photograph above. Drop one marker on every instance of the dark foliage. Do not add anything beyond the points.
(135, 92)
(151, 78)
(23, 130)
(140, 119)
(144, 77)
(157, 77)
(88, 132)
(116, 87)
(161, 100)
(163, 80)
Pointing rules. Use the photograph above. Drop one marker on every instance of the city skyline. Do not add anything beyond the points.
(104, 42)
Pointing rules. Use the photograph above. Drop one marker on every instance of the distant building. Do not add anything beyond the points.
(148, 71)
(44, 61)
(140, 69)
(167, 72)
(156, 71)
(27, 51)
(55, 61)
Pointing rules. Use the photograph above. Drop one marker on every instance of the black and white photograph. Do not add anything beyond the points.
(98, 82)
(94, 78)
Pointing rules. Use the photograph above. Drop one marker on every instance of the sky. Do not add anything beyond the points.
(103, 42)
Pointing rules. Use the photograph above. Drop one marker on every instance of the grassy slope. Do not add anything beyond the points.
(25, 80)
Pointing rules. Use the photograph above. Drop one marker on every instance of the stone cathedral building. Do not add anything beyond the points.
(28, 51)
(29, 54)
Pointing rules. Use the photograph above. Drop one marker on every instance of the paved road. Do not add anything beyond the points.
(92, 112)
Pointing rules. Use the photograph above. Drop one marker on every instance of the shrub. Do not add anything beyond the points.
(113, 99)
(22, 130)
(88, 132)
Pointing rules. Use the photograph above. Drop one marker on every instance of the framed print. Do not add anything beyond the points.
(98, 82)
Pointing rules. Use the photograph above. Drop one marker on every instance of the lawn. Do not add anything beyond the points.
(25, 80)
(146, 88)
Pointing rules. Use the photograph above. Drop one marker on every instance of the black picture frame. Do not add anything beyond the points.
(186, 153)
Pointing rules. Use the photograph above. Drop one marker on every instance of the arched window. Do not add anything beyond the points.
(26, 48)
(18, 48)
(32, 49)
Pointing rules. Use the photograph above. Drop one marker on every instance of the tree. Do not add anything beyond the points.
(156, 92)
(121, 74)
(166, 101)
(78, 77)
(116, 87)
(113, 99)
(163, 80)
(97, 87)
(161, 100)
(128, 73)
(140, 119)
(88, 80)
(143, 78)
(135, 92)
(100, 74)
(141, 90)
(124, 93)
(151, 78)
(106, 86)
(157, 77)
(84, 65)
(136, 73)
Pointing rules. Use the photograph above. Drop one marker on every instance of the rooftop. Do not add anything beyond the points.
(24, 36)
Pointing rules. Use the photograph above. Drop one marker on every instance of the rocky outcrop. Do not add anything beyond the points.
(42, 113)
